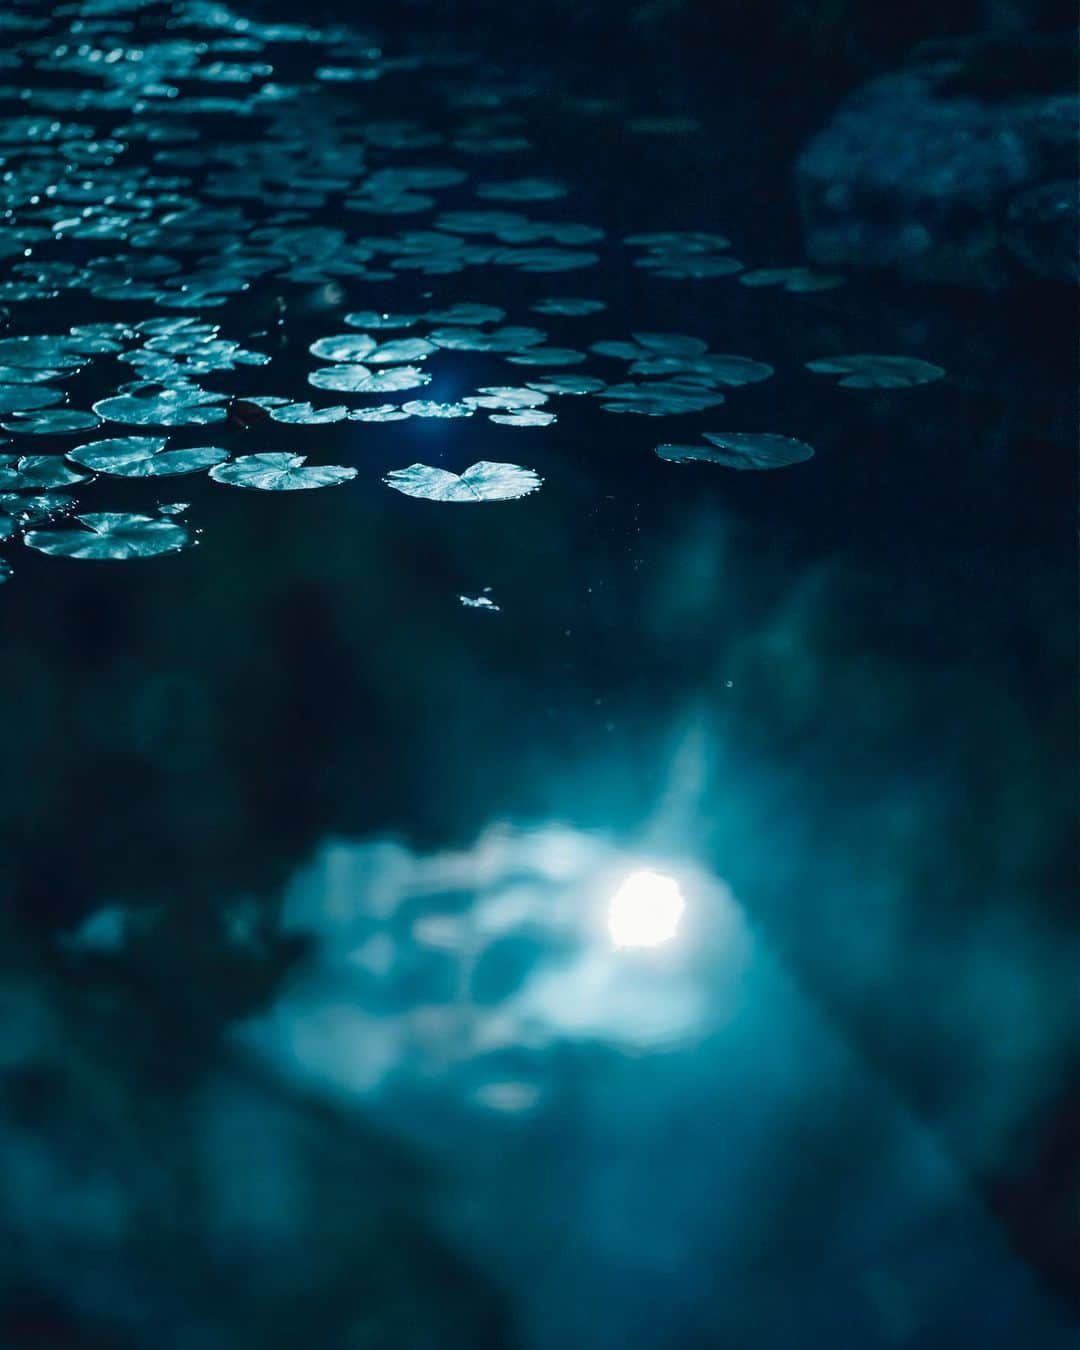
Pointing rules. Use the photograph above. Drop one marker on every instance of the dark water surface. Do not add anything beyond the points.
(315, 1030)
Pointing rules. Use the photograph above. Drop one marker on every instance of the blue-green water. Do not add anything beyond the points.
(328, 1017)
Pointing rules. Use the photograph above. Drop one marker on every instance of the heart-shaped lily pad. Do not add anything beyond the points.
(481, 482)
(145, 457)
(112, 536)
(275, 472)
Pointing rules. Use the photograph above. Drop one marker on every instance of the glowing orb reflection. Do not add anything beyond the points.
(645, 910)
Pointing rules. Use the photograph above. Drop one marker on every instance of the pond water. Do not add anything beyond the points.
(541, 729)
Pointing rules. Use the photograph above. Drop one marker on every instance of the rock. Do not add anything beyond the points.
(944, 185)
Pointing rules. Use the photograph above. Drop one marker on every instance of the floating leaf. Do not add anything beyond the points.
(112, 536)
(522, 190)
(466, 313)
(39, 353)
(275, 472)
(180, 407)
(385, 412)
(797, 280)
(513, 338)
(144, 457)
(40, 506)
(27, 375)
(568, 384)
(481, 482)
(359, 380)
(741, 450)
(503, 398)
(548, 356)
(304, 413)
(400, 349)
(671, 344)
(370, 318)
(343, 347)
(570, 306)
(35, 472)
(428, 408)
(877, 372)
(26, 397)
(527, 417)
(660, 399)
(51, 422)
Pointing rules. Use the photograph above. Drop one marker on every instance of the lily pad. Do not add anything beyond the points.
(38, 472)
(466, 313)
(384, 412)
(525, 417)
(797, 280)
(51, 422)
(359, 380)
(112, 536)
(741, 450)
(504, 398)
(400, 349)
(429, 408)
(27, 397)
(370, 318)
(568, 305)
(877, 372)
(145, 457)
(481, 482)
(343, 347)
(305, 414)
(180, 407)
(659, 399)
(569, 384)
(276, 472)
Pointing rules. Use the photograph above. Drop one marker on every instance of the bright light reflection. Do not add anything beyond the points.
(645, 910)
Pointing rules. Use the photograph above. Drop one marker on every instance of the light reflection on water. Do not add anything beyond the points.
(623, 1134)
(462, 971)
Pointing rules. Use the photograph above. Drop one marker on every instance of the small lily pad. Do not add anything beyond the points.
(276, 472)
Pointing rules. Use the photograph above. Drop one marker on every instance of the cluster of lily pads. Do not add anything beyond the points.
(112, 190)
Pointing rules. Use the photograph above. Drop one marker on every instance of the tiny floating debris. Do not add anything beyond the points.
(480, 602)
